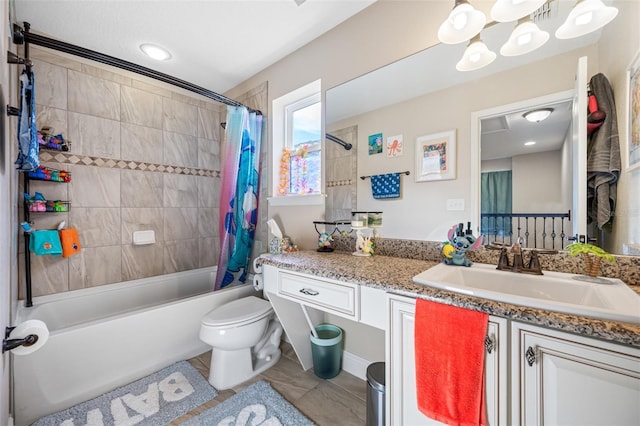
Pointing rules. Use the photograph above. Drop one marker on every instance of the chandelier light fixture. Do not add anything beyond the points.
(512, 10)
(465, 23)
(525, 38)
(586, 16)
(476, 56)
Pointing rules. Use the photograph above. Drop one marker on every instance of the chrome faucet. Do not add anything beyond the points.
(518, 264)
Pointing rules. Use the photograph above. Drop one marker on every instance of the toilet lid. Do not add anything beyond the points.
(237, 311)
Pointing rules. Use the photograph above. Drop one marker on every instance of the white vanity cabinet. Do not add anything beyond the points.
(299, 298)
(565, 379)
(402, 408)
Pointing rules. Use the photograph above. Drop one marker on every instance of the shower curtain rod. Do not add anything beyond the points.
(20, 34)
(345, 145)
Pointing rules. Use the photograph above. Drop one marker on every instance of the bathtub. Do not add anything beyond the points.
(104, 337)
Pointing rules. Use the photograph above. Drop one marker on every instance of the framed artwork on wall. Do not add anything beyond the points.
(375, 144)
(436, 156)
(394, 146)
(633, 136)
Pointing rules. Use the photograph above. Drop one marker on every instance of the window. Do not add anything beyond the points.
(297, 146)
(303, 142)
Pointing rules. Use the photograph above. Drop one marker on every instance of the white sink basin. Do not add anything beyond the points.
(553, 291)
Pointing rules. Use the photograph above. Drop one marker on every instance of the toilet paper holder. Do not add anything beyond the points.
(9, 344)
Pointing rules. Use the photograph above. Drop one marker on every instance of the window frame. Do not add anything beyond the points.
(283, 108)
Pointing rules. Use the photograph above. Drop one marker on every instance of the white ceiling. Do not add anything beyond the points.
(216, 44)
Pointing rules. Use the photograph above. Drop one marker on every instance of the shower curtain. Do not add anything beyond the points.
(496, 197)
(239, 191)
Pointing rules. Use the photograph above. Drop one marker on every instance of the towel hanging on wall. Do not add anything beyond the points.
(385, 186)
(28, 147)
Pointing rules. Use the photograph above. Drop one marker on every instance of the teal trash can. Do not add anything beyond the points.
(326, 351)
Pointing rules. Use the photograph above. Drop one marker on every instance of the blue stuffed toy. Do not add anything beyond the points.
(458, 244)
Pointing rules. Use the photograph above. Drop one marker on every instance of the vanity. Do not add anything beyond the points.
(541, 367)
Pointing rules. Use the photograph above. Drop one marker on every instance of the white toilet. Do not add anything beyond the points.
(245, 337)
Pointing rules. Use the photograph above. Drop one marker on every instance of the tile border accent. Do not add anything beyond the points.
(112, 163)
(346, 182)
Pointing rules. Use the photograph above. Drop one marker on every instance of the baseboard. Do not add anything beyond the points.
(355, 365)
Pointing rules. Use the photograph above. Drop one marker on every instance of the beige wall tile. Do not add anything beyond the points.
(94, 135)
(94, 186)
(208, 253)
(95, 266)
(104, 100)
(51, 85)
(141, 189)
(142, 108)
(96, 226)
(180, 255)
(208, 222)
(141, 143)
(52, 117)
(142, 261)
(209, 124)
(208, 154)
(180, 150)
(142, 219)
(180, 190)
(49, 274)
(180, 117)
(208, 191)
(180, 223)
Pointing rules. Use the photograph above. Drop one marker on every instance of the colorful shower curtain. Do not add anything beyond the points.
(239, 194)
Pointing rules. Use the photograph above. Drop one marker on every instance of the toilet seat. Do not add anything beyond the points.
(238, 312)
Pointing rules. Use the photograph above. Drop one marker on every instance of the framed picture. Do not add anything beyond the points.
(375, 144)
(394, 146)
(633, 141)
(436, 156)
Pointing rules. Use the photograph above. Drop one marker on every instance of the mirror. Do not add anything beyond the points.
(424, 94)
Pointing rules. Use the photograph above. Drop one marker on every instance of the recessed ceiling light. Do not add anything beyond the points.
(529, 143)
(537, 115)
(155, 52)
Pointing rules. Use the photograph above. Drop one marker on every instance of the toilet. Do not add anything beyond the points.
(245, 337)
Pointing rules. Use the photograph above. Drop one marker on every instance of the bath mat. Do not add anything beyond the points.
(258, 403)
(153, 400)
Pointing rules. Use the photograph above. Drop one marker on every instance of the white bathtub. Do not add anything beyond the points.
(104, 337)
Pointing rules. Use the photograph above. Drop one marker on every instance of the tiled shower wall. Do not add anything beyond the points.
(143, 157)
(341, 175)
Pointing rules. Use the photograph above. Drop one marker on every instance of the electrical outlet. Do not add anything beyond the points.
(455, 204)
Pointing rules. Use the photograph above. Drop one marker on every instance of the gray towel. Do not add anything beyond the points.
(603, 158)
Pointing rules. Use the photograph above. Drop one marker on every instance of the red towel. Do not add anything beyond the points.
(449, 352)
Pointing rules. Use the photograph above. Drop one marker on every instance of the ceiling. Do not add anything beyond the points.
(216, 44)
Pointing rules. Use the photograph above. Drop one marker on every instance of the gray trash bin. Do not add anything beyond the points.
(326, 351)
(375, 394)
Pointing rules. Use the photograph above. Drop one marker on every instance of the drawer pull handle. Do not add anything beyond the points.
(309, 292)
(489, 344)
(530, 356)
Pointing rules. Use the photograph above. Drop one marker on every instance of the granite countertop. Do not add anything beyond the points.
(394, 275)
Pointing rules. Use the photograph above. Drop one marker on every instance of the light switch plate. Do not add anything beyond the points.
(455, 204)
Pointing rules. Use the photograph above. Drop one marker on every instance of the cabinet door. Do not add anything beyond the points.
(566, 379)
(401, 381)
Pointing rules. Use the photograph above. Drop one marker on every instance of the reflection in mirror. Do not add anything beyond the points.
(423, 94)
(525, 176)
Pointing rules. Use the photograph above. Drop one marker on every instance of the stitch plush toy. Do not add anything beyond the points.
(455, 250)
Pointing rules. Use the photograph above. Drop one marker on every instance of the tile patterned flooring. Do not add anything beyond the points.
(337, 401)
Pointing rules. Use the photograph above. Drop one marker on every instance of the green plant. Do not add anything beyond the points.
(592, 256)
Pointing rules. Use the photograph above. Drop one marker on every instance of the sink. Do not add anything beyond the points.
(553, 291)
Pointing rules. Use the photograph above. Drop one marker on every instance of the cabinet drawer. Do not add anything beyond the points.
(327, 295)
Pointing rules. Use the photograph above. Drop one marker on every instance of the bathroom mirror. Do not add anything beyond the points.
(432, 71)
